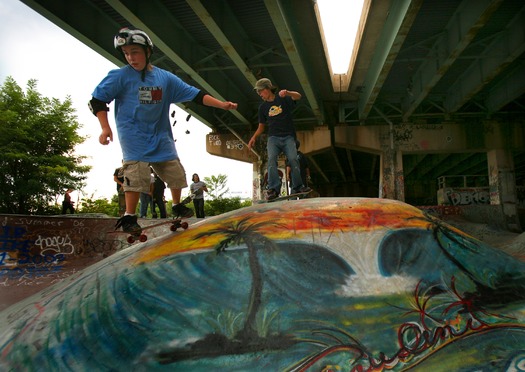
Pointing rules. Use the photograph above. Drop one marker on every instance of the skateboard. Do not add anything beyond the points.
(187, 199)
(299, 195)
(175, 224)
(190, 197)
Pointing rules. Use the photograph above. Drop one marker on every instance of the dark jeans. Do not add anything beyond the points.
(276, 146)
(158, 200)
(145, 201)
(67, 206)
(199, 207)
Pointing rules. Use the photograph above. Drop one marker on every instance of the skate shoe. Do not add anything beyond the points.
(180, 210)
(301, 190)
(129, 224)
(271, 194)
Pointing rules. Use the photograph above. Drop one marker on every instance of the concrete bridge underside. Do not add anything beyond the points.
(397, 152)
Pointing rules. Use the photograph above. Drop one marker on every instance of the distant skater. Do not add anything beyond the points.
(158, 197)
(197, 188)
(67, 204)
(118, 177)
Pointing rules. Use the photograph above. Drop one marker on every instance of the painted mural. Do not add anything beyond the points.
(324, 284)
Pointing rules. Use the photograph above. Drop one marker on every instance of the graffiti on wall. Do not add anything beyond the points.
(464, 196)
(36, 246)
(346, 284)
(215, 139)
(231, 144)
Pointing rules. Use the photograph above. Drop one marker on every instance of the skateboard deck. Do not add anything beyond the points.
(190, 197)
(299, 195)
(175, 224)
(187, 199)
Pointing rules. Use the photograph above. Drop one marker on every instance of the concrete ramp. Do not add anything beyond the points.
(324, 284)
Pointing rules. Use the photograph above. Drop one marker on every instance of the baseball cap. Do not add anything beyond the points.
(263, 84)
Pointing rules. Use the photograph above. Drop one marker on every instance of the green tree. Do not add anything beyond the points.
(38, 136)
(217, 186)
(103, 206)
(218, 206)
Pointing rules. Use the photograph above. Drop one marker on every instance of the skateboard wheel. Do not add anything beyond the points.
(143, 238)
(173, 227)
(184, 225)
(131, 239)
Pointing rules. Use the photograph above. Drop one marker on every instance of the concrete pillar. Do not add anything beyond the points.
(257, 179)
(502, 185)
(391, 178)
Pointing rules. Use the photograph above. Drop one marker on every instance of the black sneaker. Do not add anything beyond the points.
(301, 190)
(271, 194)
(129, 224)
(180, 210)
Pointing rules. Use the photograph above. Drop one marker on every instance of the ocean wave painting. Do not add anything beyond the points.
(323, 284)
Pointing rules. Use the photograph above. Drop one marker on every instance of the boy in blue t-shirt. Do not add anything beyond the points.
(143, 95)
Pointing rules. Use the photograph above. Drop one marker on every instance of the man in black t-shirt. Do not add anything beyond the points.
(276, 113)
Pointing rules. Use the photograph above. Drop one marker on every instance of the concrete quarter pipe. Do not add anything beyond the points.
(320, 284)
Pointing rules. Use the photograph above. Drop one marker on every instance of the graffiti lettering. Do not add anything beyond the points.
(29, 271)
(415, 339)
(215, 139)
(35, 222)
(402, 135)
(55, 244)
(428, 126)
(95, 246)
(467, 197)
(25, 258)
(234, 145)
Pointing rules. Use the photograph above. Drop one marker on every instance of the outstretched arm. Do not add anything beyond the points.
(293, 94)
(208, 100)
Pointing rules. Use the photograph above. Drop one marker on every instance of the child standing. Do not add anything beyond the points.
(143, 94)
(197, 188)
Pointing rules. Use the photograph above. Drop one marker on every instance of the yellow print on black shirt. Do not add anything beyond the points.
(274, 111)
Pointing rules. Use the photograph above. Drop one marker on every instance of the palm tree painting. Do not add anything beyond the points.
(246, 339)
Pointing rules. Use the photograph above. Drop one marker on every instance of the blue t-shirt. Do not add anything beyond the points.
(277, 115)
(142, 110)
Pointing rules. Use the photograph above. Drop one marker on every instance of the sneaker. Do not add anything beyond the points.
(129, 224)
(271, 194)
(180, 210)
(301, 190)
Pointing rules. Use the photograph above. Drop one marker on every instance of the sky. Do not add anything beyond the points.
(340, 19)
(35, 48)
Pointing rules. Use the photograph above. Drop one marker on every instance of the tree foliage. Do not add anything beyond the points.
(217, 186)
(100, 206)
(215, 207)
(38, 136)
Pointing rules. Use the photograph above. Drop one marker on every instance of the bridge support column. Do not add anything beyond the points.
(502, 184)
(392, 181)
(257, 177)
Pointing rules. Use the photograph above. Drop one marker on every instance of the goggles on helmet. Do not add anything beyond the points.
(127, 36)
